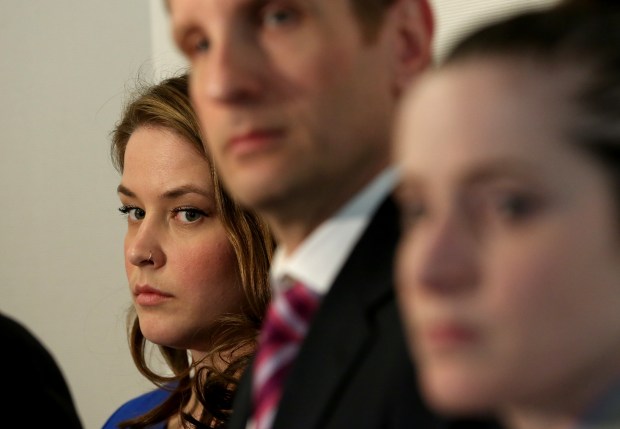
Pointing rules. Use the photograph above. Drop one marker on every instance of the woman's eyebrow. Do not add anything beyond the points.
(122, 189)
(171, 193)
(186, 189)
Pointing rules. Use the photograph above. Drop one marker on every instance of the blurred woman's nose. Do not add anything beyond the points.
(446, 256)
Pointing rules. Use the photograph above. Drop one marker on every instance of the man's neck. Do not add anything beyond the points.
(298, 219)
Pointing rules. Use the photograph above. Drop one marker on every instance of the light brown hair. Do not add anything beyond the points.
(167, 105)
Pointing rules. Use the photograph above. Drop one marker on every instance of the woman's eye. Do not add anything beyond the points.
(278, 16)
(515, 206)
(132, 212)
(189, 215)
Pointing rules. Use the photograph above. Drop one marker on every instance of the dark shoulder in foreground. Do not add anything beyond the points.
(38, 393)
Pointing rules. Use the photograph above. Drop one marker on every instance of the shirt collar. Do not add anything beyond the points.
(319, 258)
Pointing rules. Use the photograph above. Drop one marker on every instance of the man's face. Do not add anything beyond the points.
(295, 105)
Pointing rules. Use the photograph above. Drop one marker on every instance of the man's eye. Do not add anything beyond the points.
(410, 213)
(201, 45)
(194, 44)
(132, 212)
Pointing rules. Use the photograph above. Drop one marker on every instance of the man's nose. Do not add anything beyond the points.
(231, 71)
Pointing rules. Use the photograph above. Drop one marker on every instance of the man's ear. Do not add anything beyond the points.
(414, 40)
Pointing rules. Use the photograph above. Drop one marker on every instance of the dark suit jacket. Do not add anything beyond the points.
(36, 393)
(353, 369)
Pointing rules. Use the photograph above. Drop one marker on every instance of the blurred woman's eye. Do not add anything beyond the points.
(188, 214)
(132, 212)
(274, 16)
(515, 206)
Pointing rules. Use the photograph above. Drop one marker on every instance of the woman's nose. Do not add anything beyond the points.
(143, 247)
(447, 256)
(139, 257)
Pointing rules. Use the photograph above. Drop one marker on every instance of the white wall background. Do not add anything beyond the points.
(64, 65)
(63, 73)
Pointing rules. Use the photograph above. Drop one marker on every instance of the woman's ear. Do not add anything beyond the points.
(414, 40)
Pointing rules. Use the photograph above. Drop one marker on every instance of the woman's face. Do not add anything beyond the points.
(508, 272)
(180, 264)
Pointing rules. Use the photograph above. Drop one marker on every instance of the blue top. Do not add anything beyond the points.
(604, 411)
(138, 406)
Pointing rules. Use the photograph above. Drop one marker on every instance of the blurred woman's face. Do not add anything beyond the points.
(180, 264)
(508, 270)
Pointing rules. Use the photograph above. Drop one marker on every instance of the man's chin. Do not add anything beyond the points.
(256, 194)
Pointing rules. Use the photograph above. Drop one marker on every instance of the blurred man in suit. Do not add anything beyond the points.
(297, 100)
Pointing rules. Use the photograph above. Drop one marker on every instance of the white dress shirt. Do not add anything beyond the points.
(319, 258)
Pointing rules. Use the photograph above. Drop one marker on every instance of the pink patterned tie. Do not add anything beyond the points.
(285, 326)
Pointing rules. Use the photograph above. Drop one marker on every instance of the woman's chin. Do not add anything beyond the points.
(459, 394)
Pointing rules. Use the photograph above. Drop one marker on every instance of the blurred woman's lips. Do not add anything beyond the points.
(449, 336)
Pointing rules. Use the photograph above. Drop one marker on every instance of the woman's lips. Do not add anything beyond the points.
(148, 296)
(449, 336)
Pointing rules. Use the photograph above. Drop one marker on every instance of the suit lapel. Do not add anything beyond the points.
(242, 404)
(343, 325)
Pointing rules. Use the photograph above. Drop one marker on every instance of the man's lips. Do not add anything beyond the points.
(254, 141)
(146, 295)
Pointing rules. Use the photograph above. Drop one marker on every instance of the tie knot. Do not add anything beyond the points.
(302, 301)
(289, 315)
